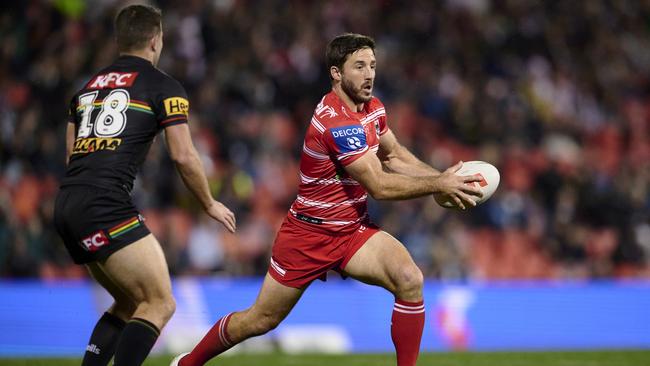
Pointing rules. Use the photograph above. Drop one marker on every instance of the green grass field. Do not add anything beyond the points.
(596, 358)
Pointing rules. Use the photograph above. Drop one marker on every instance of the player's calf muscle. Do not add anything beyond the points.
(251, 323)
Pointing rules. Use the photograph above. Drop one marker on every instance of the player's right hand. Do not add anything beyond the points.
(457, 187)
(221, 213)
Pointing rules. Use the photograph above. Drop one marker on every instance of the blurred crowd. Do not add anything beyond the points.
(555, 94)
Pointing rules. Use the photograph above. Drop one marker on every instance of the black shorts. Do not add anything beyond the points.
(95, 223)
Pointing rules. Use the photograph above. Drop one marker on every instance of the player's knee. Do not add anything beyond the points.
(266, 322)
(409, 279)
(163, 306)
(168, 306)
(159, 298)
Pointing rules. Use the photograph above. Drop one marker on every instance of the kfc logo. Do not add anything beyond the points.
(94, 241)
(113, 80)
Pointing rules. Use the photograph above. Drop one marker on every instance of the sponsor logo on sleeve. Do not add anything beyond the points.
(112, 80)
(176, 106)
(349, 138)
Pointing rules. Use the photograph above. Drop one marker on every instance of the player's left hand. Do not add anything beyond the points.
(221, 213)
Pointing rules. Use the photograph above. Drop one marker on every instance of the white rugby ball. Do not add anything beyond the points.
(488, 184)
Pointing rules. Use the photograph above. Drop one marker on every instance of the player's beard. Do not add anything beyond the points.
(358, 95)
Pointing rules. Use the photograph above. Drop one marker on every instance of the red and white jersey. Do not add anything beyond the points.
(328, 197)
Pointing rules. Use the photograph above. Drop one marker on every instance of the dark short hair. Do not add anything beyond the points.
(343, 46)
(135, 25)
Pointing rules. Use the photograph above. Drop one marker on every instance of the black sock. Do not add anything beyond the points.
(138, 337)
(103, 341)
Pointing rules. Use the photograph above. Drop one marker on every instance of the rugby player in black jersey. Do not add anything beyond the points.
(113, 121)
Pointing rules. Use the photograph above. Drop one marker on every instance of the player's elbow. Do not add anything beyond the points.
(381, 196)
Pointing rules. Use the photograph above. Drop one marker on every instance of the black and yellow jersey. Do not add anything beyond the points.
(117, 115)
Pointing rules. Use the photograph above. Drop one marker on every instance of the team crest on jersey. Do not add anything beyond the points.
(323, 110)
(328, 112)
(177, 106)
(349, 138)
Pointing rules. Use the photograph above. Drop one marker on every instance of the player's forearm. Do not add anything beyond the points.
(402, 161)
(69, 141)
(191, 171)
(410, 168)
(393, 186)
(68, 153)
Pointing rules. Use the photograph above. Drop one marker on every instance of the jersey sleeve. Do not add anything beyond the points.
(171, 104)
(347, 143)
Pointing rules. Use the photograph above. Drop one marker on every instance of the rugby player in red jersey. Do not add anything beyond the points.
(348, 153)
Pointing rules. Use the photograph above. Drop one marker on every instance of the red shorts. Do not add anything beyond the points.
(302, 253)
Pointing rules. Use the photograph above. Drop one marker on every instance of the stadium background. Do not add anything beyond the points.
(555, 94)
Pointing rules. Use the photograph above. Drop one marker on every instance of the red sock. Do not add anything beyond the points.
(216, 341)
(406, 328)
